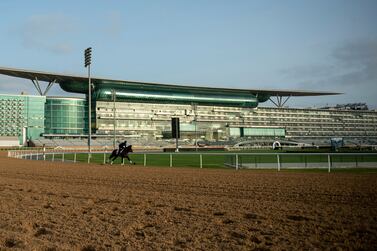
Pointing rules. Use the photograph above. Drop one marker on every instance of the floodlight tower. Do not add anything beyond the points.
(88, 61)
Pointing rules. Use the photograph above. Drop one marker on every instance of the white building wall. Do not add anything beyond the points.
(219, 123)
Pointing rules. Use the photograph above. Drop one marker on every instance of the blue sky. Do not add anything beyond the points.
(308, 45)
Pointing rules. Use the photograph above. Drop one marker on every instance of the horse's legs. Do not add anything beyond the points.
(112, 158)
(129, 160)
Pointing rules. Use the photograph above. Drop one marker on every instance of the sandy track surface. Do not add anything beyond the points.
(60, 206)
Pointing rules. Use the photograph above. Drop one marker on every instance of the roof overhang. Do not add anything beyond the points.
(64, 78)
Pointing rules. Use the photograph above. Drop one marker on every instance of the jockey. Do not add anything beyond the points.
(122, 146)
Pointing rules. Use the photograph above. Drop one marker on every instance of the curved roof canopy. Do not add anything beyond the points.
(78, 84)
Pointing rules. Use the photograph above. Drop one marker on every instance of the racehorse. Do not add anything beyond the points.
(123, 154)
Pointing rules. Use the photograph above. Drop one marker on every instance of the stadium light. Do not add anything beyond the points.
(88, 61)
(88, 56)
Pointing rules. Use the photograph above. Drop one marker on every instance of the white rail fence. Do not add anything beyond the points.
(231, 160)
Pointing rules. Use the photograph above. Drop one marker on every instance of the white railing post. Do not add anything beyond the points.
(53, 157)
(236, 161)
(74, 158)
(62, 157)
(104, 158)
(145, 159)
(171, 160)
(201, 160)
(306, 161)
(278, 158)
(329, 161)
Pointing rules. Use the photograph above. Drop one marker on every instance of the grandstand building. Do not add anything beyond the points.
(223, 123)
(21, 118)
(143, 111)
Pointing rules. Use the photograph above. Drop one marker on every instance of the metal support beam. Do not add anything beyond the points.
(286, 99)
(50, 84)
(280, 100)
(113, 93)
(90, 114)
(38, 86)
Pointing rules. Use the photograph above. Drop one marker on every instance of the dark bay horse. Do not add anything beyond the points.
(123, 154)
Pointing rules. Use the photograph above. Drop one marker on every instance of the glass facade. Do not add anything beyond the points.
(257, 132)
(66, 116)
(272, 132)
(22, 116)
(167, 94)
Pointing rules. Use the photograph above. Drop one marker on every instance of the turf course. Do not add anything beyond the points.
(219, 160)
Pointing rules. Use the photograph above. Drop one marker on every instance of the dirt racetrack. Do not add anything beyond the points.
(62, 206)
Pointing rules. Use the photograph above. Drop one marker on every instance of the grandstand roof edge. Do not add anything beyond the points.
(49, 77)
